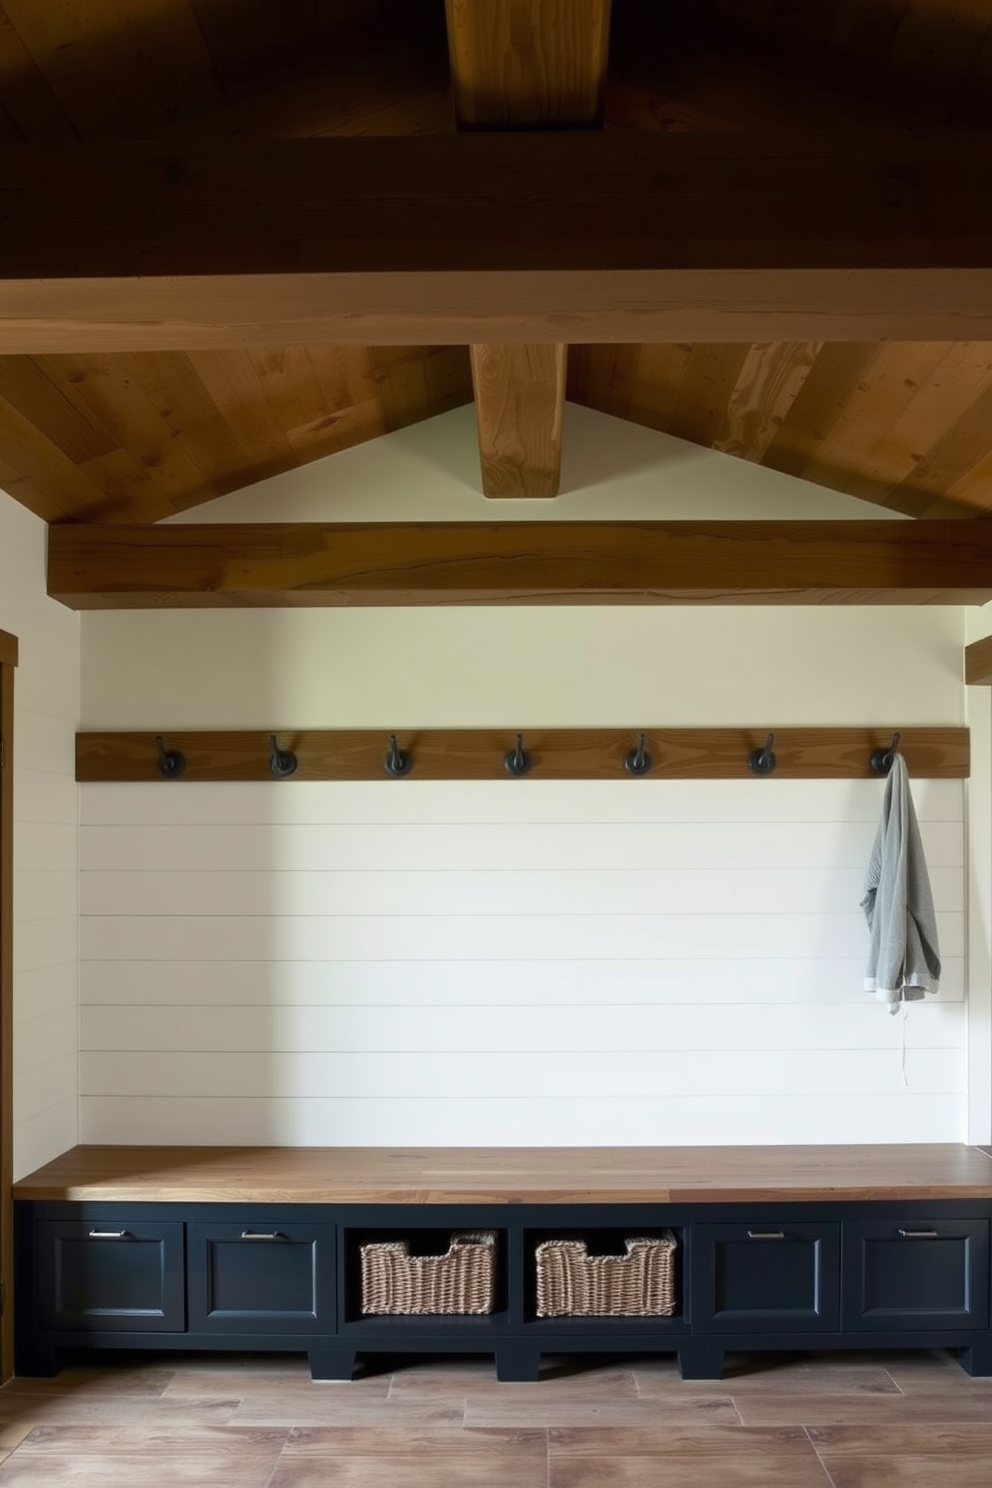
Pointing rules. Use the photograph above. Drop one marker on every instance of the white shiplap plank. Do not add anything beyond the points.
(493, 937)
(509, 892)
(42, 845)
(39, 943)
(50, 1036)
(537, 1029)
(796, 844)
(647, 1121)
(43, 797)
(389, 803)
(44, 740)
(44, 895)
(49, 1080)
(827, 980)
(37, 1139)
(555, 1076)
(47, 989)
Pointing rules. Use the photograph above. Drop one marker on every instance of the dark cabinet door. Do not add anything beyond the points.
(774, 1278)
(916, 1274)
(269, 1277)
(111, 1274)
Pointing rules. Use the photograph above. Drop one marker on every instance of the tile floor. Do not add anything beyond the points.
(851, 1421)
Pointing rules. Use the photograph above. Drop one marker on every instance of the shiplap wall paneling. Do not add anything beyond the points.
(46, 717)
(559, 962)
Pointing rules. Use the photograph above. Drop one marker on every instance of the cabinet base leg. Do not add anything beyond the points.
(36, 1360)
(977, 1357)
(517, 1362)
(332, 1364)
(700, 1361)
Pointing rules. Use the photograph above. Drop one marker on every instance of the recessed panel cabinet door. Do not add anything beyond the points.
(111, 1275)
(268, 1277)
(775, 1278)
(917, 1273)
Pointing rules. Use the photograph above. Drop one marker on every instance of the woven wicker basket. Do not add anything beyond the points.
(461, 1281)
(571, 1283)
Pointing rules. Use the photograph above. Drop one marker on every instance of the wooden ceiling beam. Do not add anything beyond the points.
(446, 563)
(498, 237)
(528, 64)
(525, 64)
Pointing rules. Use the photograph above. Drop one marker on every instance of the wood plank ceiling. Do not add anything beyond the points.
(131, 437)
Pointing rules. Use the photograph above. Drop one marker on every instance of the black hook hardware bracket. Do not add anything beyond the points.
(397, 762)
(637, 761)
(518, 761)
(762, 761)
(171, 762)
(282, 762)
(881, 759)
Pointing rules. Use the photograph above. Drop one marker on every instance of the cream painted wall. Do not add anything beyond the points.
(46, 699)
(246, 934)
(524, 666)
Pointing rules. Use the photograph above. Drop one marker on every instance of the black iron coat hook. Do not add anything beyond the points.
(171, 762)
(637, 761)
(282, 762)
(881, 759)
(762, 761)
(518, 761)
(397, 762)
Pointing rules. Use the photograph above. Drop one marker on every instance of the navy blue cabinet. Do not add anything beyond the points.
(749, 1277)
(261, 1276)
(779, 1277)
(916, 1273)
(116, 1273)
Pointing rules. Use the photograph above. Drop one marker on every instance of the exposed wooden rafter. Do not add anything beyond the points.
(523, 238)
(525, 64)
(447, 563)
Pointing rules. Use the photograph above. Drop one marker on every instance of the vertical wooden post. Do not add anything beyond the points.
(519, 408)
(528, 64)
(525, 64)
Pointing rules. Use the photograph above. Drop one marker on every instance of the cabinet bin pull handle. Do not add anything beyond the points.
(766, 1234)
(109, 1234)
(919, 1234)
(257, 1235)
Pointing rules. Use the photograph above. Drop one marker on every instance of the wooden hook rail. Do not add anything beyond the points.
(552, 753)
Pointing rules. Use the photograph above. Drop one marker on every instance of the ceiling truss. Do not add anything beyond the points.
(560, 201)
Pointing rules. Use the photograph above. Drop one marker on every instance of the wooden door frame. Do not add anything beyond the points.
(8, 661)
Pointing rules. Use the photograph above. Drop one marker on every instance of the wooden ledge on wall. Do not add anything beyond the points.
(550, 754)
(978, 663)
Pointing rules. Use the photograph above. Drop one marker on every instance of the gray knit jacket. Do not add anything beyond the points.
(903, 955)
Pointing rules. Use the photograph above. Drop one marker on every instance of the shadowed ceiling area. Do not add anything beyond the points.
(91, 432)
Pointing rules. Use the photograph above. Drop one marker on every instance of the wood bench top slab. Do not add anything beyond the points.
(513, 1175)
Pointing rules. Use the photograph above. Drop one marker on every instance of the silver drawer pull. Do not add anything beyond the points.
(257, 1235)
(919, 1234)
(109, 1234)
(766, 1234)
